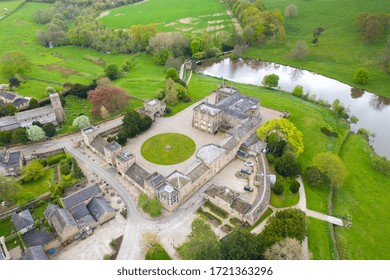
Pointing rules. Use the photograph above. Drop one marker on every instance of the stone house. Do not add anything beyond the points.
(100, 210)
(23, 221)
(11, 163)
(17, 100)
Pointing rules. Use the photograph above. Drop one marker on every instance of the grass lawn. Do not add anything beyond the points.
(157, 252)
(31, 190)
(319, 239)
(363, 198)
(6, 227)
(38, 212)
(156, 149)
(340, 51)
(286, 199)
(9, 5)
(171, 15)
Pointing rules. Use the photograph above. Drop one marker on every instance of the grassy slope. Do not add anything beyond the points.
(144, 79)
(340, 51)
(6, 227)
(10, 5)
(364, 198)
(166, 17)
(318, 239)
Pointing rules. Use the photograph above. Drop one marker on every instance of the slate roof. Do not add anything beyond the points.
(64, 218)
(240, 206)
(177, 179)
(81, 196)
(223, 193)
(22, 220)
(98, 206)
(49, 211)
(37, 237)
(229, 143)
(35, 253)
(229, 90)
(8, 95)
(208, 109)
(86, 221)
(98, 143)
(242, 129)
(155, 179)
(210, 152)
(11, 159)
(112, 146)
(137, 174)
(237, 105)
(79, 211)
(34, 113)
(197, 171)
(8, 123)
(20, 101)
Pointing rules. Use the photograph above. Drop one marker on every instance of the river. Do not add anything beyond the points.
(373, 111)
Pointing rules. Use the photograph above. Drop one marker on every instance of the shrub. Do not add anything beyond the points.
(54, 159)
(168, 110)
(298, 91)
(294, 187)
(328, 132)
(278, 188)
(112, 71)
(271, 158)
(270, 81)
(314, 175)
(288, 165)
(64, 167)
(364, 132)
(291, 11)
(300, 50)
(361, 76)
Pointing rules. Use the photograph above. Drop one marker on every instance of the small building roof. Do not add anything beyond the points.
(223, 192)
(196, 171)
(22, 220)
(240, 206)
(155, 179)
(167, 190)
(229, 143)
(112, 146)
(98, 206)
(99, 143)
(210, 152)
(8, 95)
(11, 159)
(178, 179)
(63, 218)
(49, 211)
(35, 253)
(137, 174)
(79, 211)
(37, 237)
(20, 101)
(208, 109)
(81, 196)
(124, 156)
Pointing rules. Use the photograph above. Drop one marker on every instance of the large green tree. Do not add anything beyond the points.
(332, 168)
(19, 135)
(201, 244)
(35, 133)
(15, 63)
(81, 122)
(287, 249)
(8, 188)
(32, 171)
(284, 129)
(271, 81)
(241, 245)
(288, 165)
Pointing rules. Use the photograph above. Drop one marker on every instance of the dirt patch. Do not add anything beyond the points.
(64, 71)
(186, 20)
(214, 21)
(119, 15)
(214, 28)
(218, 14)
(170, 24)
(229, 13)
(184, 29)
(103, 14)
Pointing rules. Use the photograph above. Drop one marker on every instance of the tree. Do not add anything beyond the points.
(140, 35)
(314, 176)
(339, 109)
(112, 71)
(300, 50)
(291, 11)
(195, 46)
(288, 165)
(35, 133)
(353, 119)
(172, 74)
(5, 137)
(49, 129)
(9, 186)
(149, 240)
(112, 98)
(285, 130)
(173, 62)
(78, 173)
(122, 138)
(382, 164)
(32, 171)
(294, 187)
(81, 122)
(286, 249)
(241, 245)
(171, 92)
(134, 123)
(331, 167)
(19, 135)
(361, 76)
(201, 244)
(278, 188)
(270, 81)
(298, 91)
(14, 63)
(104, 112)
(33, 103)
(8, 109)
(286, 223)
(14, 82)
(126, 65)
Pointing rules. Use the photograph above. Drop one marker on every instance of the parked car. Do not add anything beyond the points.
(246, 171)
(248, 189)
(248, 163)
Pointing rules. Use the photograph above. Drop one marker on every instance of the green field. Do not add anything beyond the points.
(319, 239)
(168, 148)
(340, 51)
(157, 252)
(364, 199)
(287, 198)
(53, 67)
(6, 227)
(9, 5)
(185, 16)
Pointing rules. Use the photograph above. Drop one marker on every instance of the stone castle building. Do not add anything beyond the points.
(234, 114)
(53, 113)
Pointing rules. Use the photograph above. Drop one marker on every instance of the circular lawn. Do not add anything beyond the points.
(168, 148)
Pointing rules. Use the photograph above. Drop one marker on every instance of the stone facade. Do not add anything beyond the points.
(153, 108)
(237, 115)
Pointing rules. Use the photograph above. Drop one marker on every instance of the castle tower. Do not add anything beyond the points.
(58, 110)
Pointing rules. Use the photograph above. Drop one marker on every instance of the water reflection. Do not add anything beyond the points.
(372, 111)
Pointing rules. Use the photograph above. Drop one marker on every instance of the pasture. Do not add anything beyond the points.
(340, 50)
(185, 16)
